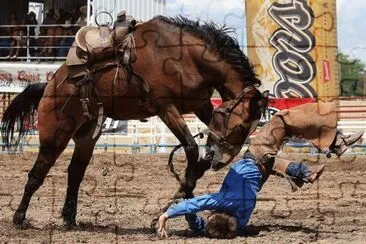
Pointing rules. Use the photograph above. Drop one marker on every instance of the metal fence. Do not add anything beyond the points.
(36, 47)
(154, 137)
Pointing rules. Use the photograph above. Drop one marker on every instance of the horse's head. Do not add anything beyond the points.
(232, 122)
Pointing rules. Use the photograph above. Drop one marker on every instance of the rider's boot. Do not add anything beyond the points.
(341, 142)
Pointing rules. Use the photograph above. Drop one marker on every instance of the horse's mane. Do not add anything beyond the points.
(218, 40)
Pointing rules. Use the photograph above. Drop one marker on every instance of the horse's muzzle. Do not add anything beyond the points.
(214, 157)
(209, 156)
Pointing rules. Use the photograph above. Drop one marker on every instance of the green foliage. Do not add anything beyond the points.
(353, 75)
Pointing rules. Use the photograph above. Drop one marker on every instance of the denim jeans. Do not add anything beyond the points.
(297, 170)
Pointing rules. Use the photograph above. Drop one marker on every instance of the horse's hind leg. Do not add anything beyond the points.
(80, 159)
(55, 131)
(48, 153)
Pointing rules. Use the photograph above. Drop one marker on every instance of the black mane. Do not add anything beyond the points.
(218, 40)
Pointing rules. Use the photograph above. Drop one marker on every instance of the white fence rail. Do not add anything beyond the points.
(154, 137)
(20, 45)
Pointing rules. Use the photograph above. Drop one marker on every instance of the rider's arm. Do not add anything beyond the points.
(191, 206)
(194, 205)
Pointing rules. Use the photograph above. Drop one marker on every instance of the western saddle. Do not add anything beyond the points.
(93, 44)
(92, 47)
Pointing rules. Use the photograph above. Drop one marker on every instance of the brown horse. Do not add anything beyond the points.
(181, 60)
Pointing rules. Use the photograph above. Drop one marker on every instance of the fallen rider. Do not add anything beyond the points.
(233, 205)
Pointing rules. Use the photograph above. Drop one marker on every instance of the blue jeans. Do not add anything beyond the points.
(297, 170)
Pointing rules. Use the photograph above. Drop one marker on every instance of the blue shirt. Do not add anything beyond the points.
(237, 197)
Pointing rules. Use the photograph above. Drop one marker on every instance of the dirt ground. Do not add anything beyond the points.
(121, 194)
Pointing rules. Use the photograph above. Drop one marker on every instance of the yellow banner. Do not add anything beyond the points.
(293, 45)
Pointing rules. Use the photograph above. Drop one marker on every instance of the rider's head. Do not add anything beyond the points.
(221, 225)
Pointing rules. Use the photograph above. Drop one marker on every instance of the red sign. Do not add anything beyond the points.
(279, 103)
(216, 102)
(286, 103)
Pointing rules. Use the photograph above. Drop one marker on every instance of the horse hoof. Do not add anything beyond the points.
(183, 195)
(69, 224)
(18, 218)
(69, 218)
(179, 195)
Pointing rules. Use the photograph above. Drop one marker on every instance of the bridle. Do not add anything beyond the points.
(227, 112)
(221, 141)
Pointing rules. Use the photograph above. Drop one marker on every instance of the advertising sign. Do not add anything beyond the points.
(14, 77)
(293, 46)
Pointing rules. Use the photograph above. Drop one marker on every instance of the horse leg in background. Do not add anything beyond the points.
(54, 135)
(175, 122)
(84, 146)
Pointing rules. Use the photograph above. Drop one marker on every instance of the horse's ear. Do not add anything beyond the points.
(265, 94)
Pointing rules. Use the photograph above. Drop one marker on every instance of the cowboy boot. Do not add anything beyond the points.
(341, 142)
(314, 173)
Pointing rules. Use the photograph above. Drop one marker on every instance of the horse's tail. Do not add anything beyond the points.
(20, 113)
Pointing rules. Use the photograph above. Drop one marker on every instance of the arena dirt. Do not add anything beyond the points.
(121, 194)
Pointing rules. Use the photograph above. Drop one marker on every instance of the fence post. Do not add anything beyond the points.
(28, 53)
(134, 139)
(105, 143)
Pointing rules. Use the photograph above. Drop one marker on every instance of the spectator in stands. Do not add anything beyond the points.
(82, 21)
(31, 20)
(67, 40)
(52, 40)
(13, 20)
(16, 34)
(57, 17)
(63, 15)
(5, 42)
(49, 20)
(75, 13)
(124, 20)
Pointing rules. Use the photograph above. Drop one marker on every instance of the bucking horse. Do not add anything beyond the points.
(176, 64)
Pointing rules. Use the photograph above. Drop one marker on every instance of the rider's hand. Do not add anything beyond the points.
(161, 225)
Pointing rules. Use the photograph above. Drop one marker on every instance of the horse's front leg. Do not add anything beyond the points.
(205, 112)
(175, 122)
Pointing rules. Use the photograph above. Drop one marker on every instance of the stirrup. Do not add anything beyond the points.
(99, 120)
(84, 105)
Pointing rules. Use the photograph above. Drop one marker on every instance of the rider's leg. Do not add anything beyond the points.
(297, 173)
(303, 172)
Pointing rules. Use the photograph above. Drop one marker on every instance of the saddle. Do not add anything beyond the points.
(94, 44)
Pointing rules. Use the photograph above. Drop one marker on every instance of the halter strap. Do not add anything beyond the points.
(239, 97)
(222, 141)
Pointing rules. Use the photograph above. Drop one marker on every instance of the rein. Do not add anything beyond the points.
(170, 160)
